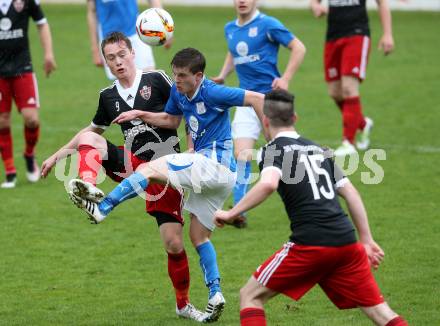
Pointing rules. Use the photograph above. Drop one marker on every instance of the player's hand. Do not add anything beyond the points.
(218, 80)
(280, 83)
(386, 44)
(168, 43)
(97, 59)
(49, 65)
(374, 252)
(319, 10)
(222, 218)
(128, 116)
(47, 166)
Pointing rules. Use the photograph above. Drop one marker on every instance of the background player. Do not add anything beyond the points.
(104, 17)
(18, 82)
(208, 175)
(345, 61)
(322, 248)
(147, 91)
(253, 43)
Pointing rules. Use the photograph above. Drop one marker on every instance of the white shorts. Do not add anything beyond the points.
(208, 183)
(143, 56)
(246, 123)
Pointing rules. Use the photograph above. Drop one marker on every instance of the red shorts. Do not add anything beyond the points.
(346, 56)
(160, 198)
(343, 273)
(23, 89)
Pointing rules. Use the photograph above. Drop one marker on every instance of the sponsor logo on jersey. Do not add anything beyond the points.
(193, 123)
(146, 92)
(18, 5)
(253, 32)
(242, 48)
(200, 107)
(5, 24)
(130, 97)
(136, 122)
(344, 3)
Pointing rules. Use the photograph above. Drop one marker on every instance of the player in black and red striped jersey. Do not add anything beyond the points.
(346, 54)
(18, 82)
(322, 248)
(147, 91)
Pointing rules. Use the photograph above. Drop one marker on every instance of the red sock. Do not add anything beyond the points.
(31, 136)
(6, 150)
(252, 317)
(352, 117)
(178, 270)
(397, 321)
(89, 163)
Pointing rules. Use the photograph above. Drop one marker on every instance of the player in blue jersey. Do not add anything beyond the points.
(208, 174)
(105, 17)
(253, 43)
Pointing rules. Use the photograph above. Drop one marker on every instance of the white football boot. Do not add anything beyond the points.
(214, 308)
(364, 138)
(32, 169)
(190, 312)
(345, 149)
(91, 208)
(85, 190)
(10, 182)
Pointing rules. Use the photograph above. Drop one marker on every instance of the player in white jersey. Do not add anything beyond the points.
(208, 175)
(105, 17)
(253, 43)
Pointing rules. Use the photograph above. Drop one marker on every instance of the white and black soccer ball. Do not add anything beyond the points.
(155, 26)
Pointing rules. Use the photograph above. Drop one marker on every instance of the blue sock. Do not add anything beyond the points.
(241, 186)
(208, 263)
(128, 188)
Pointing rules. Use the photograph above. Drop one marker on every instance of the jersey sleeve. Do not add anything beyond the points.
(36, 12)
(278, 33)
(338, 177)
(164, 83)
(101, 119)
(271, 159)
(172, 106)
(223, 97)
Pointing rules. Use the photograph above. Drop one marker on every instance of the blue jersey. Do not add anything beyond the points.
(254, 47)
(207, 117)
(117, 16)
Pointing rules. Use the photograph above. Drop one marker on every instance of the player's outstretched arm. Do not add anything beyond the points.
(256, 100)
(318, 9)
(158, 119)
(297, 53)
(267, 184)
(228, 67)
(93, 33)
(359, 216)
(386, 42)
(67, 150)
(46, 42)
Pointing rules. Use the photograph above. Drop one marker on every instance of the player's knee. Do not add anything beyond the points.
(5, 120)
(174, 245)
(91, 138)
(349, 90)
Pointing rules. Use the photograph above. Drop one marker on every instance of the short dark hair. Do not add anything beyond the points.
(189, 58)
(279, 108)
(115, 37)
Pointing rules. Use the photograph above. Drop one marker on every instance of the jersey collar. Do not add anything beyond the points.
(257, 12)
(197, 90)
(129, 94)
(288, 134)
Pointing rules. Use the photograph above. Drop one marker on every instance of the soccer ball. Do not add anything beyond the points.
(154, 26)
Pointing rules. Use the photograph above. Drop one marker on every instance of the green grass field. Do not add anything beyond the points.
(56, 269)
